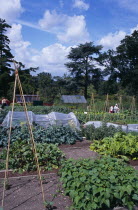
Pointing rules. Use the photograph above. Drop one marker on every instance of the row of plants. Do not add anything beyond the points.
(21, 156)
(120, 145)
(93, 133)
(120, 118)
(42, 109)
(125, 117)
(3, 114)
(92, 184)
(100, 184)
(53, 134)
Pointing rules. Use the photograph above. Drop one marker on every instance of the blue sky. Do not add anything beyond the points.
(43, 31)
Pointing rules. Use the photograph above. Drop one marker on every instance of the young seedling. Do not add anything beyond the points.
(48, 205)
(7, 186)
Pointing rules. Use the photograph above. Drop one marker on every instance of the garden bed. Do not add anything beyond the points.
(25, 191)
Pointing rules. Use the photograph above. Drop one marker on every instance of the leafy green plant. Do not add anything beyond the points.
(120, 118)
(104, 183)
(92, 133)
(48, 205)
(21, 157)
(53, 134)
(121, 145)
(3, 113)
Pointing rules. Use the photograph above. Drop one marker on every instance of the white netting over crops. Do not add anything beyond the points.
(56, 118)
(18, 118)
(53, 118)
(126, 128)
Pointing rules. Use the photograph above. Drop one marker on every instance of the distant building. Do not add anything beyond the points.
(73, 99)
(28, 98)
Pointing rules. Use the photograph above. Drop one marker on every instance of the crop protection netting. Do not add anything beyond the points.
(53, 118)
(125, 128)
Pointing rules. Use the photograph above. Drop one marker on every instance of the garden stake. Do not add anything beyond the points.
(92, 105)
(120, 104)
(8, 148)
(106, 105)
(17, 79)
(133, 108)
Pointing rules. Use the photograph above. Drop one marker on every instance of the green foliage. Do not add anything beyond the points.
(43, 109)
(82, 65)
(52, 134)
(46, 86)
(57, 134)
(5, 59)
(121, 145)
(119, 118)
(92, 133)
(3, 113)
(21, 157)
(101, 184)
(122, 64)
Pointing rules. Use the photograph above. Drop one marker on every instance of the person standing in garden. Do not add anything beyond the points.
(111, 110)
(116, 108)
(3, 103)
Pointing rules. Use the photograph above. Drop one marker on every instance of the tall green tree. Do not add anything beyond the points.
(82, 65)
(26, 78)
(5, 58)
(122, 64)
(66, 85)
(47, 87)
(29, 82)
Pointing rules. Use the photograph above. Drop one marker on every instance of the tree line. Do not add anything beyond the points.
(89, 70)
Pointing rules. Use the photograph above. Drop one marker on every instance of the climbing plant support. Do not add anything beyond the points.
(17, 81)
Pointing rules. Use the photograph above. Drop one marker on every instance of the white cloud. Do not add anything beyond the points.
(112, 40)
(67, 28)
(50, 59)
(52, 21)
(17, 43)
(133, 29)
(80, 4)
(75, 30)
(10, 10)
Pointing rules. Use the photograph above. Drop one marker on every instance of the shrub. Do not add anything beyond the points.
(121, 145)
(92, 133)
(101, 184)
(21, 157)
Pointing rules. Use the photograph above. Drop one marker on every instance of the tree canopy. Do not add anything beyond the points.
(85, 70)
(122, 64)
(5, 58)
(83, 63)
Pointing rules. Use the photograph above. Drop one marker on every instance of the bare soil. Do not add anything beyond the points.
(25, 191)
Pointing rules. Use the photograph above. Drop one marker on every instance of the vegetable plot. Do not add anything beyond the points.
(121, 145)
(101, 184)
